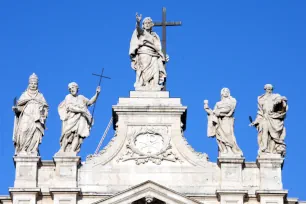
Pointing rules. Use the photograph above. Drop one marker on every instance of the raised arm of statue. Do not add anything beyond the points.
(220, 124)
(206, 108)
(75, 127)
(138, 19)
(95, 97)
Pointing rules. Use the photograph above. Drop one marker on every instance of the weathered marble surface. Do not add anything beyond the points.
(76, 120)
(31, 111)
(221, 124)
(269, 122)
(147, 56)
(149, 158)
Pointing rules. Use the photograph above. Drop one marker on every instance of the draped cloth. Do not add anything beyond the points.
(29, 122)
(147, 60)
(271, 114)
(221, 126)
(76, 121)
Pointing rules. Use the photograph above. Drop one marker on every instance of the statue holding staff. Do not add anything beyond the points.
(76, 119)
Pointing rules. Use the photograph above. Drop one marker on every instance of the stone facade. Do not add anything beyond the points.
(148, 161)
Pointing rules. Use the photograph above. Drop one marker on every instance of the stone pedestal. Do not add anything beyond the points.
(64, 195)
(271, 196)
(26, 171)
(231, 196)
(270, 170)
(231, 172)
(146, 116)
(24, 195)
(66, 171)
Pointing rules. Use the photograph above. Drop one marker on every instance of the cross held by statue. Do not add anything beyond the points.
(164, 24)
(101, 76)
(100, 80)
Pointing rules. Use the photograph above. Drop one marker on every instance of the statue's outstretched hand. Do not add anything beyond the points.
(167, 58)
(15, 109)
(98, 90)
(138, 17)
(206, 104)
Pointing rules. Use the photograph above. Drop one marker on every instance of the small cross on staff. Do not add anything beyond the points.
(164, 24)
(100, 80)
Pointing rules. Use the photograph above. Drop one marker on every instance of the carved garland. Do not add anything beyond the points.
(135, 152)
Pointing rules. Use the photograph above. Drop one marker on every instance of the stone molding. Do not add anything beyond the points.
(260, 193)
(221, 192)
(148, 188)
(231, 160)
(24, 194)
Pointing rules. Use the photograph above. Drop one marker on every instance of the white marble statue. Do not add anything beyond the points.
(221, 124)
(147, 57)
(76, 119)
(31, 111)
(272, 109)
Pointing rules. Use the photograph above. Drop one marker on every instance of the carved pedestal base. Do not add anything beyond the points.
(24, 195)
(231, 196)
(26, 171)
(64, 195)
(66, 171)
(231, 172)
(270, 170)
(271, 196)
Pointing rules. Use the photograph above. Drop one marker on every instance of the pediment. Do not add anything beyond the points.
(148, 192)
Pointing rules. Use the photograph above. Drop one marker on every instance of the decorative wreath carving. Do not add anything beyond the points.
(149, 144)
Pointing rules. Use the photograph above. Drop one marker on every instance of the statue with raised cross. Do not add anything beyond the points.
(76, 119)
(147, 57)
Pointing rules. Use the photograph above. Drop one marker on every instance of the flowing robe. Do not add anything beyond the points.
(29, 122)
(222, 126)
(76, 121)
(147, 59)
(271, 114)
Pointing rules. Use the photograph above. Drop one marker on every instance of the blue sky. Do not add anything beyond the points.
(237, 44)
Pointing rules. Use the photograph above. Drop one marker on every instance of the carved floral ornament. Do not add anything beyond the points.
(147, 143)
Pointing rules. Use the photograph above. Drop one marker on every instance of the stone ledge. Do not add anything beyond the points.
(62, 158)
(134, 102)
(232, 160)
(21, 190)
(22, 158)
(267, 162)
(47, 163)
(146, 109)
(269, 159)
(26, 191)
(149, 94)
(64, 190)
(293, 200)
(231, 192)
(250, 165)
(5, 197)
(271, 193)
